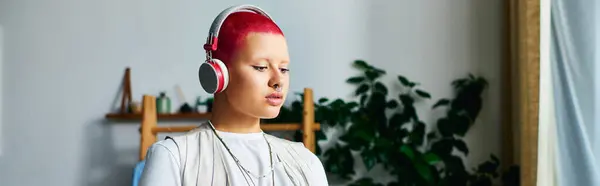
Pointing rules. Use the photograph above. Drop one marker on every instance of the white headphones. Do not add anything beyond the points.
(213, 73)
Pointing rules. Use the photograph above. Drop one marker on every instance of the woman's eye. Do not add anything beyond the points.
(284, 70)
(259, 68)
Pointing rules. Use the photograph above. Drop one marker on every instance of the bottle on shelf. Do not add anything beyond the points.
(163, 104)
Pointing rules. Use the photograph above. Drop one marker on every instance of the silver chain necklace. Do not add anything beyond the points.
(246, 172)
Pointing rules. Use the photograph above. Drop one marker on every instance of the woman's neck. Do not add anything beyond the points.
(227, 119)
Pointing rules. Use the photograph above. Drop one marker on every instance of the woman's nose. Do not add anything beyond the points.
(275, 80)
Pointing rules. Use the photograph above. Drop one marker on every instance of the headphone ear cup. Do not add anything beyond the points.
(224, 74)
(214, 76)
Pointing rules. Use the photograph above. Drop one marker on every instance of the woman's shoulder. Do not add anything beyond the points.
(193, 134)
(166, 144)
(297, 149)
(174, 144)
(164, 148)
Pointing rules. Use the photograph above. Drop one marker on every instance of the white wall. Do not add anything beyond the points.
(63, 62)
(1, 83)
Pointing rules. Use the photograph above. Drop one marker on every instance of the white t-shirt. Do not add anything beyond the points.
(250, 149)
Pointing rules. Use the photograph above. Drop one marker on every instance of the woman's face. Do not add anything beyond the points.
(261, 62)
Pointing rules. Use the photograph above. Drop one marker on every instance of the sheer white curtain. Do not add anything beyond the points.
(546, 171)
(576, 84)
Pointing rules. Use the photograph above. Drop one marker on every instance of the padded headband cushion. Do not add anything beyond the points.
(213, 33)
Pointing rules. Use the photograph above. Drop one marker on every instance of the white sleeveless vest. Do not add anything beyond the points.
(201, 163)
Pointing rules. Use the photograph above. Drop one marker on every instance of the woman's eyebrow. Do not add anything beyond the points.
(285, 62)
(270, 60)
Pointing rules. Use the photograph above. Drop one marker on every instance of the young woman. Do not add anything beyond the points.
(247, 71)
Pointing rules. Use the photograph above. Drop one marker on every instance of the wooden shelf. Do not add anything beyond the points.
(202, 116)
(174, 116)
(266, 127)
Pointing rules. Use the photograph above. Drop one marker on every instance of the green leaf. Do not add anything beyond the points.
(320, 135)
(411, 112)
(487, 167)
(383, 144)
(296, 111)
(323, 100)
(454, 164)
(363, 98)
(366, 181)
(404, 81)
(369, 159)
(406, 100)
(461, 146)
(358, 136)
(361, 89)
(380, 71)
(376, 102)
(460, 124)
(346, 138)
(422, 93)
(364, 135)
(441, 102)
(339, 161)
(355, 146)
(397, 120)
(318, 150)
(432, 158)
(379, 87)
(403, 133)
(459, 83)
(372, 75)
(445, 127)
(392, 104)
(471, 76)
(298, 136)
(408, 151)
(419, 163)
(495, 159)
(442, 147)
(350, 105)
(361, 64)
(355, 80)
(394, 183)
(418, 134)
(431, 136)
(412, 84)
(337, 104)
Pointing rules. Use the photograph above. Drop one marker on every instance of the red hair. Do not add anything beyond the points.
(236, 27)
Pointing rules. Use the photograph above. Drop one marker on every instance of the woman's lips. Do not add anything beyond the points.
(274, 99)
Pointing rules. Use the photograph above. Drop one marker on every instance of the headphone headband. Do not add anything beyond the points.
(213, 33)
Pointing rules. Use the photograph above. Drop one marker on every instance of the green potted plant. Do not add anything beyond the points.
(390, 132)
